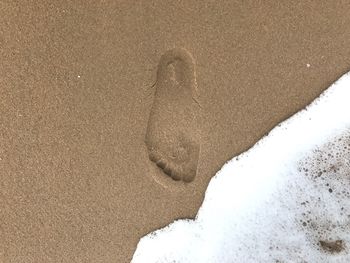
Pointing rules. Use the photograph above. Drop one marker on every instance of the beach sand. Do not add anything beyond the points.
(78, 82)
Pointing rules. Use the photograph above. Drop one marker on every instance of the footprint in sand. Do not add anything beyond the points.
(172, 136)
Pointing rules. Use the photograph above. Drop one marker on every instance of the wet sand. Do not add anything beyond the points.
(76, 91)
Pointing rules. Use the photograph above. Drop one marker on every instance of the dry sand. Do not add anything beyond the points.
(76, 91)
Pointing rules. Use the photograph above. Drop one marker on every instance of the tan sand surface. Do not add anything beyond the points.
(76, 90)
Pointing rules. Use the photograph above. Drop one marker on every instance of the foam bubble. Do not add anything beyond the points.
(285, 200)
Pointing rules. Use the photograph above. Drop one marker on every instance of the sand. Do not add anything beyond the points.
(76, 92)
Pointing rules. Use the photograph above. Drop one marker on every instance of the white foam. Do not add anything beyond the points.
(285, 200)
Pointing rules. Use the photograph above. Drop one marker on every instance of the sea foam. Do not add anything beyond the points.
(285, 200)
